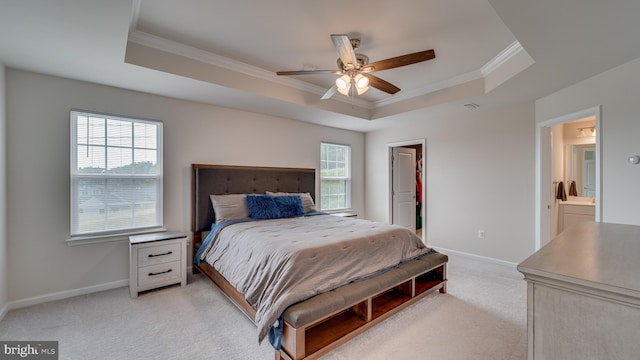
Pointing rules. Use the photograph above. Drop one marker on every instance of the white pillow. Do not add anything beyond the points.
(229, 207)
(307, 200)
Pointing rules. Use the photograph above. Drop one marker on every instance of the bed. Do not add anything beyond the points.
(310, 303)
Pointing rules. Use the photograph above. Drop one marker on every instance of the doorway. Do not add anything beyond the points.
(557, 166)
(407, 185)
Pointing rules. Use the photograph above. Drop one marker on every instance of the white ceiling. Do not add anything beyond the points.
(227, 52)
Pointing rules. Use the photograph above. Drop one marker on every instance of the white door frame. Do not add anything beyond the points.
(390, 147)
(542, 199)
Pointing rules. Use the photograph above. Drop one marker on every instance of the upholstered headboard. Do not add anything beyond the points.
(223, 179)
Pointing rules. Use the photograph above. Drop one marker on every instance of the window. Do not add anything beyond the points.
(116, 174)
(335, 177)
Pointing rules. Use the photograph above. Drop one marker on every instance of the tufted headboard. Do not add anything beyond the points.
(223, 179)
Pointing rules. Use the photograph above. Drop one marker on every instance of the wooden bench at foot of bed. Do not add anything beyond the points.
(320, 324)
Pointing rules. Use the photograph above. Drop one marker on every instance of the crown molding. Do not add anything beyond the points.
(454, 81)
(492, 65)
(503, 56)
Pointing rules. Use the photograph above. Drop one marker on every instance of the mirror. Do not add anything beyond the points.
(580, 166)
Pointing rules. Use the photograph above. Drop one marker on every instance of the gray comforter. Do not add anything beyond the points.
(277, 263)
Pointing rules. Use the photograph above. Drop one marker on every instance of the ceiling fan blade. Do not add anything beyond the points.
(332, 90)
(401, 60)
(382, 85)
(309, 72)
(345, 49)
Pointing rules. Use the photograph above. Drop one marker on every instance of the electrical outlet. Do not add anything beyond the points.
(481, 234)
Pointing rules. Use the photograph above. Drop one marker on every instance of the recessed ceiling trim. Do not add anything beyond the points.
(173, 47)
(456, 80)
(503, 56)
(193, 53)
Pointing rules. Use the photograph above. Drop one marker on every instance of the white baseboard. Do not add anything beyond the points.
(40, 299)
(477, 257)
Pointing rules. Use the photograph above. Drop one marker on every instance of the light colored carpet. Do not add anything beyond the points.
(483, 316)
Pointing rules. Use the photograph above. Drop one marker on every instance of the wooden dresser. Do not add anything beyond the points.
(583, 294)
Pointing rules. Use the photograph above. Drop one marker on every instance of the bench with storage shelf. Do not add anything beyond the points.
(305, 338)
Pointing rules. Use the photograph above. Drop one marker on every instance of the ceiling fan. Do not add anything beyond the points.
(355, 69)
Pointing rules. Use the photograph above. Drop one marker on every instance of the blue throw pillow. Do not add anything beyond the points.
(289, 205)
(262, 207)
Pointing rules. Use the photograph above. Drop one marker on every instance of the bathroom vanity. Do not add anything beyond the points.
(573, 212)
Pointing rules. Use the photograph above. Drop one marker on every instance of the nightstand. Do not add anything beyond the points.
(157, 260)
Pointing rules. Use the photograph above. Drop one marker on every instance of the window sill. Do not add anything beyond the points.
(94, 239)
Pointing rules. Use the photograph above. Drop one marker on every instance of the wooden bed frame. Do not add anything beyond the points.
(320, 335)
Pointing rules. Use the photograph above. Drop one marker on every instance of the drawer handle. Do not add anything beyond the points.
(160, 273)
(163, 254)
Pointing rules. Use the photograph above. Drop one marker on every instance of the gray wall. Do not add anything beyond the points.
(479, 176)
(37, 135)
(4, 279)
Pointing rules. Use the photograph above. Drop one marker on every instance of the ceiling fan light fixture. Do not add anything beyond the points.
(345, 91)
(354, 68)
(362, 82)
(343, 84)
(360, 90)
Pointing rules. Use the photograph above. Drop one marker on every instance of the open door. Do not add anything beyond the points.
(404, 187)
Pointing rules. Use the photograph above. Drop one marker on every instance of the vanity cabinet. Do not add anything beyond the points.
(573, 214)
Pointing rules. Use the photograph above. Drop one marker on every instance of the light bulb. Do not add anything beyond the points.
(361, 84)
(342, 82)
(361, 81)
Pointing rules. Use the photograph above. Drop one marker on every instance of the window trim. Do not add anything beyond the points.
(121, 234)
(348, 208)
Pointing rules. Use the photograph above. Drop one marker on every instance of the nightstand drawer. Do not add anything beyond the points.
(158, 254)
(154, 276)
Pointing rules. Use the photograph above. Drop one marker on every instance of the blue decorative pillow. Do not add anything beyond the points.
(289, 205)
(262, 207)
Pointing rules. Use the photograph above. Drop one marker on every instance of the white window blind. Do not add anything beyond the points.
(335, 177)
(116, 174)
